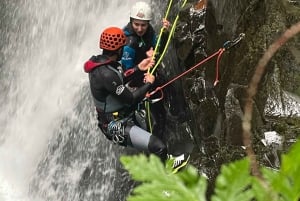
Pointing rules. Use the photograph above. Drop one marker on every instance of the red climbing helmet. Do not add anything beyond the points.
(112, 38)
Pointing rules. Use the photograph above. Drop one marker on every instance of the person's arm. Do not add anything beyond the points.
(143, 66)
(164, 37)
(114, 86)
(128, 57)
(140, 93)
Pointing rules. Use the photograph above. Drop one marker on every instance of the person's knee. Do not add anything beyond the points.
(157, 147)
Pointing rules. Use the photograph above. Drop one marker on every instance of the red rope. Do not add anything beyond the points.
(218, 53)
(217, 66)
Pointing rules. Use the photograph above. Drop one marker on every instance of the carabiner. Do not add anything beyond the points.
(230, 44)
(118, 139)
(155, 100)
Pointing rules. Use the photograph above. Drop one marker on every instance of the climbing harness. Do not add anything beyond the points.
(116, 130)
(227, 45)
(140, 117)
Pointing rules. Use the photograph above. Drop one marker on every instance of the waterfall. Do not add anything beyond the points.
(44, 99)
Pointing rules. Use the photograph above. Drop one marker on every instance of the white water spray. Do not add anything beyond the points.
(45, 48)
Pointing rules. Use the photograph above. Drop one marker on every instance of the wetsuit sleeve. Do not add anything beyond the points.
(128, 57)
(114, 86)
(132, 73)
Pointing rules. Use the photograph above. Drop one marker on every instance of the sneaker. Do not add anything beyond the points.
(179, 161)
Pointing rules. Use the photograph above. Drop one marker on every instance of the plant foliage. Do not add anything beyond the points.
(234, 183)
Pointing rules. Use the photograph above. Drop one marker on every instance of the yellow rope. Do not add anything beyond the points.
(161, 32)
(168, 41)
(147, 105)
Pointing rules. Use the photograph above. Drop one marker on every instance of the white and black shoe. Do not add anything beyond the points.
(179, 161)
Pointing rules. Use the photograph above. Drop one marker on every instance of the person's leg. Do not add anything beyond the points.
(157, 109)
(144, 141)
(159, 119)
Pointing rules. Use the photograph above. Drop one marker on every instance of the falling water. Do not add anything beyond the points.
(44, 98)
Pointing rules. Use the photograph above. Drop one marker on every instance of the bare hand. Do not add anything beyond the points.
(146, 64)
(149, 78)
(150, 52)
(166, 24)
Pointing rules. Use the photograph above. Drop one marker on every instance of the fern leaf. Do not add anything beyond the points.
(234, 182)
(158, 184)
(287, 180)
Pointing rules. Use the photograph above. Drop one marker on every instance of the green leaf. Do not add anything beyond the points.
(159, 184)
(140, 164)
(290, 170)
(262, 189)
(234, 182)
(287, 181)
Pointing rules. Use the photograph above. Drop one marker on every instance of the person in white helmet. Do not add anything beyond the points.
(141, 37)
(141, 41)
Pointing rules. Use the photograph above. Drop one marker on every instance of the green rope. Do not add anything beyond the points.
(168, 41)
(161, 31)
(147, 105)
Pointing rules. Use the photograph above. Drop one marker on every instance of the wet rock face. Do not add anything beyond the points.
(233, 117)
(191, 34)
(217, 111)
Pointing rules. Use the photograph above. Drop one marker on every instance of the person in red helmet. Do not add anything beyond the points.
(115, 103)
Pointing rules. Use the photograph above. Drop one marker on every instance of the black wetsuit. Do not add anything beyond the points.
(107, 83)
(134, 52)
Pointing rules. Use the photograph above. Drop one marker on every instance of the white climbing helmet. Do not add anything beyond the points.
(141, 11)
